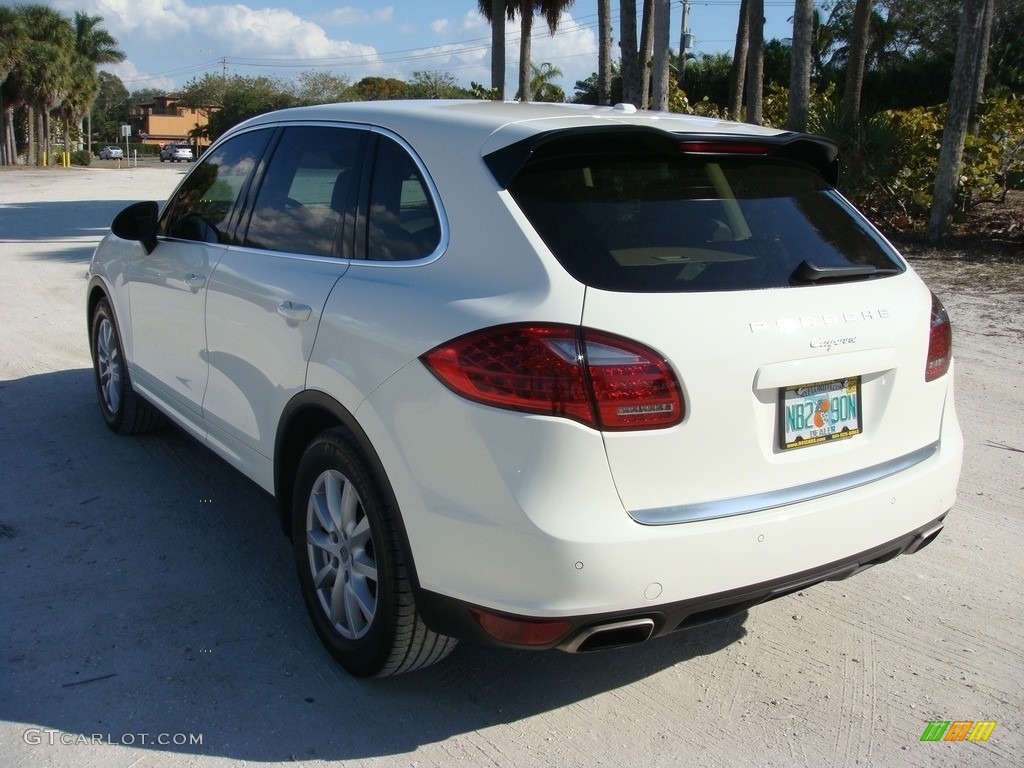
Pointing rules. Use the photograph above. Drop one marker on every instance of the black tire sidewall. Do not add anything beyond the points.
(365, 656)
(103, 311)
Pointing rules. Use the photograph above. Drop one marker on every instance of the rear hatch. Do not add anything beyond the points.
(799, 338)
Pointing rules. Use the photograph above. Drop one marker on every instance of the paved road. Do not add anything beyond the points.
(149, 599)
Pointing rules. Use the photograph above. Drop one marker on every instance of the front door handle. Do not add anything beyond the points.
(294, 311)
(194, 281)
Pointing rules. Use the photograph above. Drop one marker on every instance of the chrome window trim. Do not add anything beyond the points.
(760, 502)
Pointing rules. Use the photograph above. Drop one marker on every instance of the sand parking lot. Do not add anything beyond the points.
(149, 614)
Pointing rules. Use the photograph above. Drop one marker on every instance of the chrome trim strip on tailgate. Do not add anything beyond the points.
(759, 502)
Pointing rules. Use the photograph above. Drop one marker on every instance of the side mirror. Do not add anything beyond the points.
(138, 222)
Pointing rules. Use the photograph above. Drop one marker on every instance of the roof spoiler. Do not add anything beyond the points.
(818, 152)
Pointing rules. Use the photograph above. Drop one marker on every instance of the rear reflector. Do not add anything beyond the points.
(940, 342)
(598, 379)
(509, 629)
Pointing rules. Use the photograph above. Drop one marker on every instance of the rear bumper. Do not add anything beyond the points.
(616, 629)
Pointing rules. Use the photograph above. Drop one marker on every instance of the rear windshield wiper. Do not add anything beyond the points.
(809, 272)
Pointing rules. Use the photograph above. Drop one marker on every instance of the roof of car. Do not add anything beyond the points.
(496, 124)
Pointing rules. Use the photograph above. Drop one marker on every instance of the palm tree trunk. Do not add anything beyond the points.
(737, 77)
(604, 52)
(526, 31)
(981, 69)
(498, 47)
(965, 78)
(755, 62)
(627, 43)
(646, 53)
(855, 65)
(800, 66)
(660, 75)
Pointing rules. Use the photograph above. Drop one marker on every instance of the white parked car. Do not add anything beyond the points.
(176, 153)
(111, 153)
(541, 376)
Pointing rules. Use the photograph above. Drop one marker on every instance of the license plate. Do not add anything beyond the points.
(812, 414)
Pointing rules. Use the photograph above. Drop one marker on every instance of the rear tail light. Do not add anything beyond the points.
(601, 380)
(940, 342)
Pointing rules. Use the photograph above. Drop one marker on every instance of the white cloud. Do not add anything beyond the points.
(350, 15)
(440, 26)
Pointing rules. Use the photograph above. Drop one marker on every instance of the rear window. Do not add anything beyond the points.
(646, 222)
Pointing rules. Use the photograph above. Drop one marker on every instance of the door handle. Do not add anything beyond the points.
(293, 311)
(194, 281)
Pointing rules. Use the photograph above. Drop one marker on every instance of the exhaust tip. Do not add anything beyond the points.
(923, 539)
(614, 635)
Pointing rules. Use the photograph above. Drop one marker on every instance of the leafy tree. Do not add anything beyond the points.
(432, 84)
(380, 89)
(227, 101)
(314, 87)
(111, 107)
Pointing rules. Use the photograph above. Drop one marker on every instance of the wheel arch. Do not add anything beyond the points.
(96, 293)
(307, 415)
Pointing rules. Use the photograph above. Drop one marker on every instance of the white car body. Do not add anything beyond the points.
(111, 153)
(527, 517)
(176, 153)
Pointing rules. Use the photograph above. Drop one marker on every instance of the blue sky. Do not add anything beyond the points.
(168, 42)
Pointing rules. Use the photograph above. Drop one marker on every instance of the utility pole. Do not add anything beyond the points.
(224, 67)
(685, 43)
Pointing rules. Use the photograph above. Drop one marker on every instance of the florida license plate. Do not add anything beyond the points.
(812, 414)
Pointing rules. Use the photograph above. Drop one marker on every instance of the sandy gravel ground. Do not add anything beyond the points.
(149, 602)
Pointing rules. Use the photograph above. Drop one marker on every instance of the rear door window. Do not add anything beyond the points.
(651, 222)
(309, 192)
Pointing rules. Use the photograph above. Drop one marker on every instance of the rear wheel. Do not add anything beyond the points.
(352, 568)
(124, 411)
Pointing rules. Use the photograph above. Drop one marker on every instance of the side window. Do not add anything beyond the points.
(201, 210)
(403, 222)
(308, 191)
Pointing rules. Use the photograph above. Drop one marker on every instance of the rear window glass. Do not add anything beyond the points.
(655, 223)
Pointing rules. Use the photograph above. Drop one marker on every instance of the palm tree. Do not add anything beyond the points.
(93, 46)
(551, 10)
(44, 74)
(630, 57)
(738, 75)
(973, 34)
(12, 45)
(661, 35)
(800, 66)
(542, 85)
(604, 51)
(755, 61)
(495, 11)
(856, 63)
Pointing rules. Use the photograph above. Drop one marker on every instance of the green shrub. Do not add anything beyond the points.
(81, 157)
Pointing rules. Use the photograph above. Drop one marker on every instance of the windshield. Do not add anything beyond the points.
(660, 223)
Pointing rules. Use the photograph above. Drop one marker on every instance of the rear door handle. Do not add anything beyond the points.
(294, 311)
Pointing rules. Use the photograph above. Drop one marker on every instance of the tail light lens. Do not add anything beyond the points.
(601, 380)
(940, 342)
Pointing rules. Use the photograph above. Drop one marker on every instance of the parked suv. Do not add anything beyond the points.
(176, 153)
(532, 375)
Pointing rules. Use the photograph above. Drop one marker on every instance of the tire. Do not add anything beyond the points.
(123, 410)
(351, 566)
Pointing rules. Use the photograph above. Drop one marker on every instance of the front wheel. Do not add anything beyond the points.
(351, 566)
(123, 410)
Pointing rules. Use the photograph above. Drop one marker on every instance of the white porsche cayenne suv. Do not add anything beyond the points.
(533, 375)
